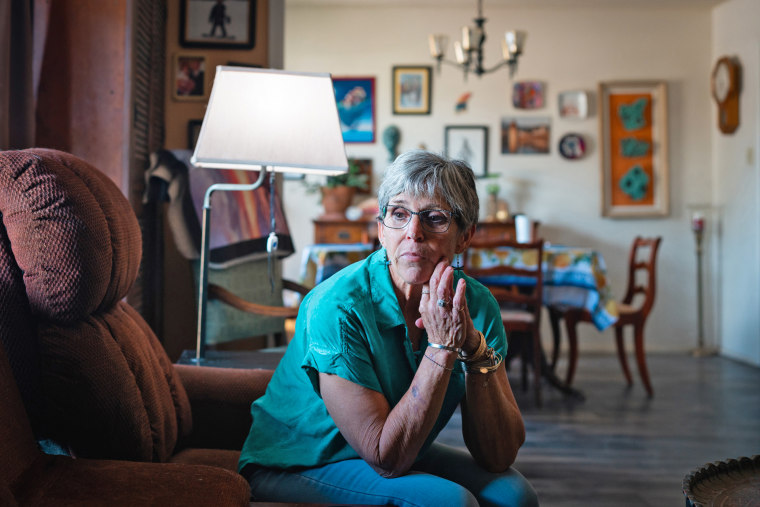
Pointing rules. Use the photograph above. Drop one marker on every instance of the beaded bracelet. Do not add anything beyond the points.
(445, 347)
(439, 364)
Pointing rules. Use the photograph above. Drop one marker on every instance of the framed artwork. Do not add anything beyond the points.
(189, 77)
(470, 144)
(633, 129)
(572, 146)
(528, 95)
(193, 129)
(525, 135)
(573, 105)
(355, 98)
(412, 89)
(221, 24)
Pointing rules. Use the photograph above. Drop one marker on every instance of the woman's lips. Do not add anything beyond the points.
(412, 256)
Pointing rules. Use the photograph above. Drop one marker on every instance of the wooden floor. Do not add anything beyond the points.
(618, 447)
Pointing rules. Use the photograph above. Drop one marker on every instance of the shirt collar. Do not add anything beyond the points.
(384, 301)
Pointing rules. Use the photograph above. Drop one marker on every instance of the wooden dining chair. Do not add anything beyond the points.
(516, 281)
(629, 313)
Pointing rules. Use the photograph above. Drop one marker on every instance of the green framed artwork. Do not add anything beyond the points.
(633, 129)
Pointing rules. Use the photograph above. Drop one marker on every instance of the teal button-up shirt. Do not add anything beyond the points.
(351, 325)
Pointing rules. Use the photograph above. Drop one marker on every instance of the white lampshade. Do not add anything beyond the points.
(286, 121)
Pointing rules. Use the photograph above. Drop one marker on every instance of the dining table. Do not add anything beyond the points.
(573, 277)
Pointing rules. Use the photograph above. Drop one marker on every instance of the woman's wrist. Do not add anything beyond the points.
(474, 354)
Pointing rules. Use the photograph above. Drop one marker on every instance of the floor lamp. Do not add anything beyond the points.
(269, 121)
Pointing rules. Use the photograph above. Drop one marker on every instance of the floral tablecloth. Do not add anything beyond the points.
(573, 277)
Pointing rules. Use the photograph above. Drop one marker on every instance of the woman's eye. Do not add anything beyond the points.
(436, 217)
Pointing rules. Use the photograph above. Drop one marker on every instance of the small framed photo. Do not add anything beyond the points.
(528, 95)
(355, 98)
(412, 89)
(222, 24)
(573, 105)
(189, 77)
(193, 130)
(470, 144)
(525, 135)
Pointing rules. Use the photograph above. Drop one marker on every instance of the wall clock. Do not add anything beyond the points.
(725, 90)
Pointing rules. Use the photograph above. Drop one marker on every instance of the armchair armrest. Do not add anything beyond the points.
(294, 286)
(227, 297)
(220, 399)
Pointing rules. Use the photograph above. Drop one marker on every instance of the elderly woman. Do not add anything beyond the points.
(384, 352)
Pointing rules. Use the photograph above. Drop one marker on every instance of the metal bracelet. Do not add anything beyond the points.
(445, 347)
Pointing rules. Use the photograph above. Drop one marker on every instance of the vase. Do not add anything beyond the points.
(335, 200)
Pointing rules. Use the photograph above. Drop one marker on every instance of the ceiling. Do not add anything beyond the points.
(646, 4)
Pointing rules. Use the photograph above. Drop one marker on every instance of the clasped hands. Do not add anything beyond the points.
(444, 313)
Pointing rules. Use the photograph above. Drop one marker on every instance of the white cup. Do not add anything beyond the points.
(522, 228)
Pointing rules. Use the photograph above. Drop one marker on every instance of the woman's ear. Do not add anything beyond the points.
(465, 239)
(380, 233)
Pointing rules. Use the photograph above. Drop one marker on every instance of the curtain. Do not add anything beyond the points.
(23, 26)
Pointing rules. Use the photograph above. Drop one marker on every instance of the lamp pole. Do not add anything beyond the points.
(200, 343)
(698, 228)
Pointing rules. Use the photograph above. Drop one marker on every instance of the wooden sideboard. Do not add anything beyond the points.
(365, 230)
(344, 231)
(501, 230)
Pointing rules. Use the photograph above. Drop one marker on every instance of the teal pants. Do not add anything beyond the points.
(445, 476)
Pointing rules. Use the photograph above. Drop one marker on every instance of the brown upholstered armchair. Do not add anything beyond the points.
(85, 371)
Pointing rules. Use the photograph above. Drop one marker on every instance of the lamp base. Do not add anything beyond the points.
(704, 352)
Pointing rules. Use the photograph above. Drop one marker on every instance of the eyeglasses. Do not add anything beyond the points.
(432, 220)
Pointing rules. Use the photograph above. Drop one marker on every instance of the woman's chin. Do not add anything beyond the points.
(413, 275)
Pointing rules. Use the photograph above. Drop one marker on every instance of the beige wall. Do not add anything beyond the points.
(736, 189)
(567, 49)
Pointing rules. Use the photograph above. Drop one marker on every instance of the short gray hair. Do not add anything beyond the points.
(420, 173)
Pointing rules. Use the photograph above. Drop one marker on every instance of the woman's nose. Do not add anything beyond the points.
(414, 228)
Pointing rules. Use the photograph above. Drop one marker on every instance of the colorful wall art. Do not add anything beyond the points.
(525, 135)
(634, 148)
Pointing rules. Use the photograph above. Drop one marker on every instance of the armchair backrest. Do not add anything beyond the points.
(92, 373)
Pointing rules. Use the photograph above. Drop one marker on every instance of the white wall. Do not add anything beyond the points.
(736, 192)
(567, 50)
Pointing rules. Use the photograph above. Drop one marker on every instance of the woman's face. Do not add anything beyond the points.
(414, 251)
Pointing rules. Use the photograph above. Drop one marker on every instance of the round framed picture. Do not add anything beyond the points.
(572, 146)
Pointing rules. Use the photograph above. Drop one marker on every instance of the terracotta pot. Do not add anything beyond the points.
(335, 200)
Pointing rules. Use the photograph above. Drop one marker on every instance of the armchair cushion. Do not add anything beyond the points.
(221, 394)
(106, 387)
(59, 480)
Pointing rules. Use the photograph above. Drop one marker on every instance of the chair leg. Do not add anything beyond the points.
(621, 354)
(537, 365)
(571, 323)
(641, 358)
(554, 318)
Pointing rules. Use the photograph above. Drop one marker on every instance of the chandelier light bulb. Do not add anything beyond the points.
(469, 52)
(438, 43)
(459, 53)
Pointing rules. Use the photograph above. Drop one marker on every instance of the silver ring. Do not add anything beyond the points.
(425, 291)
(442, 302)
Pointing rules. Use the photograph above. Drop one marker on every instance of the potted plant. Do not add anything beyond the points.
(338, 191)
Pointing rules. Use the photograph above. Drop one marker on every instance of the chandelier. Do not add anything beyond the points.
(469, 51)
